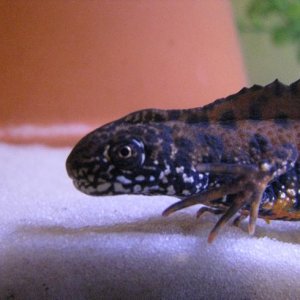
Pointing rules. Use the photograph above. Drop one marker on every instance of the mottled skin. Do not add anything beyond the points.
(238, 154)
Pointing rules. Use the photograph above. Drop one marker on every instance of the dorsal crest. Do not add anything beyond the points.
(273, 101)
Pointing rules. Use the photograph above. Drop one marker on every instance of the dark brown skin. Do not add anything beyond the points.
(238, 154)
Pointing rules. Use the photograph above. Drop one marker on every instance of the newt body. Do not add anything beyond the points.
(238, 154)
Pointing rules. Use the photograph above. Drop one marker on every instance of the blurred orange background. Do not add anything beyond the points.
(93, 61)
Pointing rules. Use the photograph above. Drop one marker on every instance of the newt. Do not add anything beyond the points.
(237, 155)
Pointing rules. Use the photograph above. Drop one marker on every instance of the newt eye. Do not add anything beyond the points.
(127, 154)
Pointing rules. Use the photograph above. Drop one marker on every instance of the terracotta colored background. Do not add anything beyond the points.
(93, 61)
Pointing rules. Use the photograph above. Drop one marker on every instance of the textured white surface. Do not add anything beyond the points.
(45, 131)
(57, 243)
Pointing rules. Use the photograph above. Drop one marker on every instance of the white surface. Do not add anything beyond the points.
(57, 243)
(44, 131)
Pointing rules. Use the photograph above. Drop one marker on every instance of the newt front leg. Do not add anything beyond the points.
(247, 188)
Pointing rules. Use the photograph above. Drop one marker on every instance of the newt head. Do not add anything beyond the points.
(134, 158)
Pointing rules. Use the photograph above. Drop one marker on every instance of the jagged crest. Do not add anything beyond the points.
(274, 101)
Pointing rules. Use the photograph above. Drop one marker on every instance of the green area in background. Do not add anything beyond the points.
(270, 49)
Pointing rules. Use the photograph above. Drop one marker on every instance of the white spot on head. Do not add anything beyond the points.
(140, 144)
(124, 180)
(265, 167)
(140, 178)
(173, 151)
(154, 188)
(110, 168)
(186, 192)
(91, 178)
(198, 187)
(151, 178)
(89, 190)
(179, 169)
(103, 187)
(163, 174)
(127, 171)
(224, 199)
(150, 168)
(291, 192)
(282, 195)
(146, 190)
(165, 180)
(137, 188)
(187, 179)
(118, 188)
(171, 190)
(167, 170)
